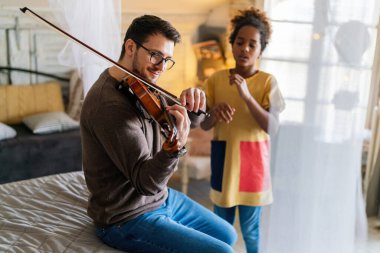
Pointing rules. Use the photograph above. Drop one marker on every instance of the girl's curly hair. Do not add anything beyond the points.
(252, 17)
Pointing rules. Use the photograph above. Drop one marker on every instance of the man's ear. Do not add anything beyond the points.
(130, 47)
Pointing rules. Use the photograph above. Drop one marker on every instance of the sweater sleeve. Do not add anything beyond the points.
(121, 133)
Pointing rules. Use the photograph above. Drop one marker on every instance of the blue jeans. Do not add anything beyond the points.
(249, 223)
(178, 225)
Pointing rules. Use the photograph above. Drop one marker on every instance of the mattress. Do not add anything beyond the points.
(31, 155)
(47, 214)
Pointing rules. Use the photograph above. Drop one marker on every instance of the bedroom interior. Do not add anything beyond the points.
(325, 159)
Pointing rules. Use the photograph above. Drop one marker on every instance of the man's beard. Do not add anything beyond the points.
(135, 68)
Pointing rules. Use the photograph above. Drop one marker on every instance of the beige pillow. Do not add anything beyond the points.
(50, 122)
(6, 132)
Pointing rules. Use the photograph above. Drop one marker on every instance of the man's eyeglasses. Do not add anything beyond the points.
(156, 58)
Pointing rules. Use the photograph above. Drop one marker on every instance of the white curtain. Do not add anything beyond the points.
(372, 182)
(96, 23)
(372, 173)
(321, 53)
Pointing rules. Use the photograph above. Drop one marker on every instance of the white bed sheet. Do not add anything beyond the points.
(47, 214)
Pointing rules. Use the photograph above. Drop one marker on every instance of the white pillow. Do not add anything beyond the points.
(50, 122)
(6, 132)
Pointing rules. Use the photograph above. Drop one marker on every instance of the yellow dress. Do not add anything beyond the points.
(240, 173)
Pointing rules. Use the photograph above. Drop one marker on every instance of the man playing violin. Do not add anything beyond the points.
(126, 165)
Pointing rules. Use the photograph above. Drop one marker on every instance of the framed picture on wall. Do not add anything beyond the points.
(209, 57)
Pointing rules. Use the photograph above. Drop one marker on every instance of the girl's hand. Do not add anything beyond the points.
(241, 84)
(223, 112)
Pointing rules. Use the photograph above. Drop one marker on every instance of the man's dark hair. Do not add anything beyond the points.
(147, 25)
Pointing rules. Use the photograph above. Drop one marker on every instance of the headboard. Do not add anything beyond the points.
(18, 101)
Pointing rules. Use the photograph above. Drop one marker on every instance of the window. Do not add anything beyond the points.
(322, 51)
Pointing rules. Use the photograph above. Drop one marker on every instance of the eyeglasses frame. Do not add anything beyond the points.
(151, 53)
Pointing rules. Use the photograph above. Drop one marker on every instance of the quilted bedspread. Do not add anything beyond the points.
(47, 214)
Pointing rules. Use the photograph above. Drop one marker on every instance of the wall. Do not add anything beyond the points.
(25, 43)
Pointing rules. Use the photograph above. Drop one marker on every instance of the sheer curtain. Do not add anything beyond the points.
(372, 173)
(96, 23)
(372, 176)
(321, 53)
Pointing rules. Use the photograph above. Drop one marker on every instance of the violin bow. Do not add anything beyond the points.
(167, 94)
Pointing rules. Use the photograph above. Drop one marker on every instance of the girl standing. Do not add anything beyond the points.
(242, 101)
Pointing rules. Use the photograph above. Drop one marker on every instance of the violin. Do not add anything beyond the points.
(153, 102)
(155, 105)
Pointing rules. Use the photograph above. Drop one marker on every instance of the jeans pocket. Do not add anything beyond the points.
(110, 235)
(101, 233)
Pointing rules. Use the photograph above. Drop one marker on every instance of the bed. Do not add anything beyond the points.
(47, 214)
(30, 155)
(37, 136)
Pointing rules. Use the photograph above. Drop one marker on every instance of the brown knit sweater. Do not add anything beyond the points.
(125, 169)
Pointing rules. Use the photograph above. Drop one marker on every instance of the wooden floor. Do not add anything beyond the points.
(198, 190)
